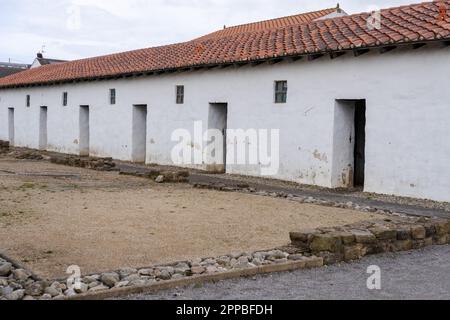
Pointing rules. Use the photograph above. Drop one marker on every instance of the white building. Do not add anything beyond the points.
(40, 61)
(365, 104)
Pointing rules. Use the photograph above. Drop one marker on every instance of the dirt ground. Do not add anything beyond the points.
(54, 216)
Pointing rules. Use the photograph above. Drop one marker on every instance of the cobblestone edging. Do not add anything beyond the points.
(352, 242)
(19, 284)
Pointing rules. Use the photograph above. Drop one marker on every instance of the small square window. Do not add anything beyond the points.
(112, 96)
(281, 89)
(65, 96)
(180, 94)
(28, 102)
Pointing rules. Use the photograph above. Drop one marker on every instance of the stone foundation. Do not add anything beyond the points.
(99, 164)
(352, 242)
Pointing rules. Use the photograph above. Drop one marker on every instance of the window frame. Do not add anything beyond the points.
(65, 98)
(112, 96)
(281, 95)
(179, 96)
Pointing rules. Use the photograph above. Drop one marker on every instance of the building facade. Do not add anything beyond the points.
(374, 117)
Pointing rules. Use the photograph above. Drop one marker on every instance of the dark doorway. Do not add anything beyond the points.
(360, 143)
(84, 139)
(43, 128)
(139, 134)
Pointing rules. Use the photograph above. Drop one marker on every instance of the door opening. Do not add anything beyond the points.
(11, 125)
(349, 144)
(360, 143)
(139, 134)
(84, 136)
(217, 120)
(43, 128)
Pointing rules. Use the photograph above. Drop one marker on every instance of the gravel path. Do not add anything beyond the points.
(423, 274)
(415, 207)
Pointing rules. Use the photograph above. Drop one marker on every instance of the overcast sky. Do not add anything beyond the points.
(74, 29)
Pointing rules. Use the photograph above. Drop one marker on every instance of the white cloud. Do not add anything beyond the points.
(73, 29)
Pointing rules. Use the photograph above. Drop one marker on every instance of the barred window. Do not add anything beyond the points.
(281, 89)
(180, 94)
(112, 96)
(64, 98)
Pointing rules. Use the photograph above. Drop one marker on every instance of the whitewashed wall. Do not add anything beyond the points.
(408, 107)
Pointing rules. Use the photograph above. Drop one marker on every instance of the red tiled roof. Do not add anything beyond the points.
(402, 25)
(270, 24)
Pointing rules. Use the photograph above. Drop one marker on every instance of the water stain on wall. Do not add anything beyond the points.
(320, 156)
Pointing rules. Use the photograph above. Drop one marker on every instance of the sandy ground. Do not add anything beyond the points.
(104, 221)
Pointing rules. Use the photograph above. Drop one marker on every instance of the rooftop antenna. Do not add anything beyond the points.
(43, 49)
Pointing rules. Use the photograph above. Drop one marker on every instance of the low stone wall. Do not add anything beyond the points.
(352, 242)
(26, 154)
(99, 164)
(156, 173)
(159, 175)
(4, 146)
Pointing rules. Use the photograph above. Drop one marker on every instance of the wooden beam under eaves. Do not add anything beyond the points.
(418, 45)
(387, 49)
(360, 52)
(224, 66)
(238, 65)
(256, 63)
(334, 55)
(274, 61)
(313, 57)
(293, 59)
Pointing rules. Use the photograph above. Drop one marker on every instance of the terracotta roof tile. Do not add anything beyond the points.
(402, 25)
(270, 24)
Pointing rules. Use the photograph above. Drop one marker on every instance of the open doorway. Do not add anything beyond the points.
(217, 121)
(139, 134)
(349, 143)
(84, 136)
(11, 126)
(360, 143)
(43, 128)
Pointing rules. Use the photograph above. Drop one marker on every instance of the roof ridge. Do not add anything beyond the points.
(262, 22)
(384, 9)
(279, 18)
(51, 59)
